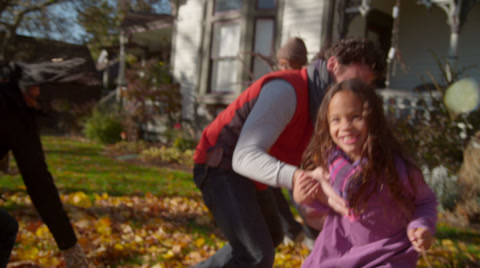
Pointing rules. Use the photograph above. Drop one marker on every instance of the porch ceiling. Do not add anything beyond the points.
(150, 41)
(147, 33)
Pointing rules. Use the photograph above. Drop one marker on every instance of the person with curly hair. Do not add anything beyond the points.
(258, 140)
(391, 210)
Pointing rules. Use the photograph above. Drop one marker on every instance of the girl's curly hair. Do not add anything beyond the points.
(380, 148)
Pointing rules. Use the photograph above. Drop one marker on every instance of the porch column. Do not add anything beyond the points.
(121, 69)
(457, 11)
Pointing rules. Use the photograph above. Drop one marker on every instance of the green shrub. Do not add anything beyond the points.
(127, 147)
(181, 136)
(169, 155)
(437, 142)
(103, 126)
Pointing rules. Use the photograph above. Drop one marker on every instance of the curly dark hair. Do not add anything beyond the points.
(380, 148)
(355, 50)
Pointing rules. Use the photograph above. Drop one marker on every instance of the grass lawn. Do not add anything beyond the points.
(129, 215)
(80, 166)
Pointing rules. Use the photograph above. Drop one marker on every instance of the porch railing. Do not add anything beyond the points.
(404, 104)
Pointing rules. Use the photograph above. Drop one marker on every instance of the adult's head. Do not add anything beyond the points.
(354, 58)
(292, 55)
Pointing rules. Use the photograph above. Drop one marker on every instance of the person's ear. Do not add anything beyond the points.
(332, 64)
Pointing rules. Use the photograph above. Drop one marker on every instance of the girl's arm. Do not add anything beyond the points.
(422, 227)
(425, 214)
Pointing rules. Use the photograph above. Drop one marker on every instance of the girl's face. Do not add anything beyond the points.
(346, 122)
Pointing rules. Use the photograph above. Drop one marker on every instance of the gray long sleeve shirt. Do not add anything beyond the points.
(272, 112)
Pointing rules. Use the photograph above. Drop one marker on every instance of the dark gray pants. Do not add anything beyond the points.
(248, 220)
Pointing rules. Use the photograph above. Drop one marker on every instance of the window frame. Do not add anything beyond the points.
(246, 16)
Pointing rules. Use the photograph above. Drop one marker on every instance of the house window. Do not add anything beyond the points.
(227, 5)
(266, 4)
(225, 50)
(263, 45)
(234, 29)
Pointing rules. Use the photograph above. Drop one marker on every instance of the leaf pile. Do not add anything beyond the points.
(129, 231)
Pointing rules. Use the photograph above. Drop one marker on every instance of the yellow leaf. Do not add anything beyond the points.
(118, 247)
(168, 255)
(81, 199)
(42, 231)
(138, 239)
(449, 245)
(200, 242)
(103, 226)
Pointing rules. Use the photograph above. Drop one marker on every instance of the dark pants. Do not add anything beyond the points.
(310, 232)
(248, 220)
(19, 133)
(291, 227)
(8, 233)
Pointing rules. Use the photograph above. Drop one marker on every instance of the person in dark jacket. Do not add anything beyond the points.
(19, 133)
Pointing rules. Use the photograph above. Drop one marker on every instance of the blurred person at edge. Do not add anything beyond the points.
(258, 140)
(19, 88)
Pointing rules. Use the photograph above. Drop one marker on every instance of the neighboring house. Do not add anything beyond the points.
(143, 35)
(83, 89)
(147, 37)
(213, 41)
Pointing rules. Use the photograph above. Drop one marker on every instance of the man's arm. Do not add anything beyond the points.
(272, 112)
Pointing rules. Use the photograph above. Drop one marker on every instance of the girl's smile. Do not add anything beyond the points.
(347, 125)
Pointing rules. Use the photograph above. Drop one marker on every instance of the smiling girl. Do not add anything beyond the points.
(392, 211)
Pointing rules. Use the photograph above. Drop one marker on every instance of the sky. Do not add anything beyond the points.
(76, 30)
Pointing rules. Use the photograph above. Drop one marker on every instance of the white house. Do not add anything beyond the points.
(213, 41)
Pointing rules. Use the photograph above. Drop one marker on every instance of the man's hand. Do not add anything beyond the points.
(305, 188)
(311, 185)
(421, 238)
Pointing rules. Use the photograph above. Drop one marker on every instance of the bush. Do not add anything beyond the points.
(71, 117)
(437, 142)
(103, 126)
(126, 147)
(181, 136)
(150, 93)
(444, 185)
(169, 155)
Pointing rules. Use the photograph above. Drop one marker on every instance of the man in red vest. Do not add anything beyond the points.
(258, 140)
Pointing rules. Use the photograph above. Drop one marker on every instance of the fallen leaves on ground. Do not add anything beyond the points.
(152, 232)
(128, 231)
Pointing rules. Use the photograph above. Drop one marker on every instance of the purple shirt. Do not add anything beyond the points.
(378, 236)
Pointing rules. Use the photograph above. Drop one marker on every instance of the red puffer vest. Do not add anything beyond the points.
(224, 131)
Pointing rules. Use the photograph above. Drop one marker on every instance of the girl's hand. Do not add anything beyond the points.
(421, 238)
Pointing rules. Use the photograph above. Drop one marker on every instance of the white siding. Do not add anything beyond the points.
(304, 19)
(469, 43)
(420, 34)
(187, 39)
